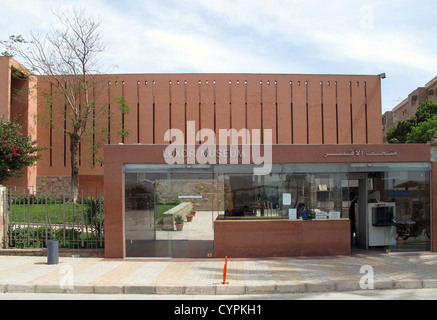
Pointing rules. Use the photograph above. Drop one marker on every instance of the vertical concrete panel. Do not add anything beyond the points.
(359, 112)
(253, 103)
(207, 103)
(284, 110)
(5, 88)
(329, 112)
(32, 130)
(116, 118)
(68, 127)
(374, 109)
(300, 133)
(162, 109)
(315, 124)
(344, 115)
(44, 130)
(88, 142)
(58, 108)
(238, 103)
(19, 101)
(32, 110)
(269, 107)
(146, 115)
(192, 90)
(130, 93)
(102, 101)
(177, 98)
(20, 109)
(223, 115)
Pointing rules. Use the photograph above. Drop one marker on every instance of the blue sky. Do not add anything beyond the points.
(252, 36)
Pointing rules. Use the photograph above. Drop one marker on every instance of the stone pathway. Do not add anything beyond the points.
(292, 275)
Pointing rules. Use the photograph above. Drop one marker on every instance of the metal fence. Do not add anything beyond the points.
(31, 220)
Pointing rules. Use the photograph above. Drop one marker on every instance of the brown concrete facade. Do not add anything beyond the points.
(254, 239)
(299, 109)
(18, 99)
(118, 155)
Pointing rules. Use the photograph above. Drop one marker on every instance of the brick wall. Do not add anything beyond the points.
(211, 190)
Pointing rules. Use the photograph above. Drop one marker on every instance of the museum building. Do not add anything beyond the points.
(244, 152)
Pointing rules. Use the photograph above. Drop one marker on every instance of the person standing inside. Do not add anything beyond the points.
(352, 215)
(302, 212)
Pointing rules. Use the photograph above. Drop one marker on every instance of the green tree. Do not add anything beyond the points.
(420, 128)
(426, 111)
(68, 59)
(16, 151)
(399, 133)
(423, 132)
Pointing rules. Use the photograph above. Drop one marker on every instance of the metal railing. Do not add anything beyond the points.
(34, 219)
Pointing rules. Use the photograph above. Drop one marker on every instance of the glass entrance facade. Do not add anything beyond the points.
(154, 196)
(394, 196)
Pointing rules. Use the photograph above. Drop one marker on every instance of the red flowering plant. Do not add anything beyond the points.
(16, 150)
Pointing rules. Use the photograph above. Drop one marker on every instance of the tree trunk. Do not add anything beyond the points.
(74, 151)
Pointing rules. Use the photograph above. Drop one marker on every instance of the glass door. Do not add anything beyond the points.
(139, 215)
(409, 196)
(170, 210)
(356, 199)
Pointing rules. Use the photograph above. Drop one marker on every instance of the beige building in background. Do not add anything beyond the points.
(407, 108)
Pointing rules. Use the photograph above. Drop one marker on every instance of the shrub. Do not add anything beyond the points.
(174, 202)
(16, 150)
(178, 219)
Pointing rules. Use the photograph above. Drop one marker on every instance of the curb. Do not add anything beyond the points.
(294, 288)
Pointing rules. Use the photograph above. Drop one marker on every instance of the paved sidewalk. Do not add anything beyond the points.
(205, 277)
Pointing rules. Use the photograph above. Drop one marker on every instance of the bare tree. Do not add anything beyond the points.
(67, 58)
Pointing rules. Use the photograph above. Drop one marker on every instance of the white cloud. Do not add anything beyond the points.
(254, 36)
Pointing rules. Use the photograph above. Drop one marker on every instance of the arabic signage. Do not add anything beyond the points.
(362, 153)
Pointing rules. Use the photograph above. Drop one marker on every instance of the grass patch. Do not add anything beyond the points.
(160, 209)
(36, 213)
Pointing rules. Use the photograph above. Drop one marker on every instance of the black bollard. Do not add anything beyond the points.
(53, 252)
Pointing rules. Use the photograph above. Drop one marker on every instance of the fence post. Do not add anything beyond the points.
(3, 216)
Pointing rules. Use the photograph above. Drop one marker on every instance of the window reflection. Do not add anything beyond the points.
(410, 192)
(233, 192)
(272, 196)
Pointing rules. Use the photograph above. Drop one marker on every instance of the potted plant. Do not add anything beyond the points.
(179, 222)
(193, 210)
(190, 217)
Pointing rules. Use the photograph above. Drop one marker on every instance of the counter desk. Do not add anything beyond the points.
(256, 238)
